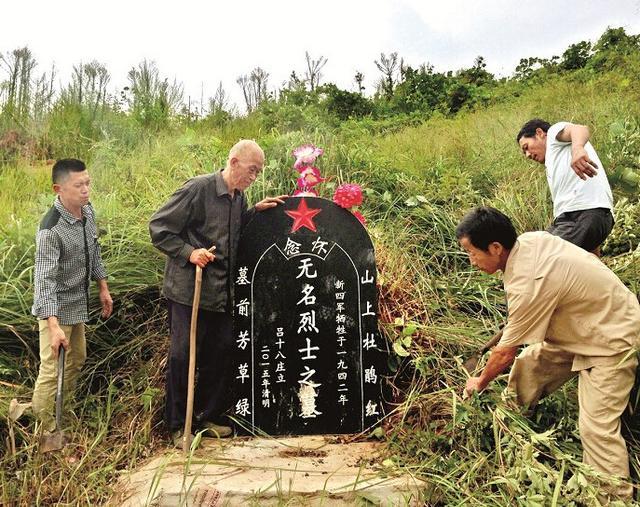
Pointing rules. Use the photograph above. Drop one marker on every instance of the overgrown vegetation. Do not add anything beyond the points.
(426, 147)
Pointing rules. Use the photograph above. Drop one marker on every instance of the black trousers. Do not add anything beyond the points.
(213, 366)
(585, 228)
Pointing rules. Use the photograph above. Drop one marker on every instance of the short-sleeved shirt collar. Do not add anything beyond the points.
(66, 214)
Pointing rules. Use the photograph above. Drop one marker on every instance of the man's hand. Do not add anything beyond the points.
(581, 164)
(201, 256)
(105, 298)
(106, 302)
(270, 202)
(57, 337)
(501, 357)
(473, 384)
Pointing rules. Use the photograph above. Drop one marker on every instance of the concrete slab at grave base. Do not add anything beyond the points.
(309, 470)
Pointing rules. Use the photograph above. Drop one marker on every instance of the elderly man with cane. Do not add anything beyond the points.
(199, 226)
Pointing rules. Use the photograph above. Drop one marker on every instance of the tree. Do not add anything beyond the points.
(88, 87)
(24, 96)
(295, 83)
(219, 103)
(244, 83)
(576, 56)
(152, 100)
(43, 94)
(313, 72)
(476, 75)
(388, 65)
(612, 48)
(420, 90)
(359, 79)
(254, 88)
(529, 67)
(259, 79)
(219, 108)
(19, 65)
(616, 39)
(526, 67)
(459, 94)
(345, 104)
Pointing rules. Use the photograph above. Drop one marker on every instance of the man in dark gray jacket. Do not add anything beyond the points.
(208, 210)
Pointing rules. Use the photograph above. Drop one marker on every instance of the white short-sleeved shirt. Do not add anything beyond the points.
(568, 191)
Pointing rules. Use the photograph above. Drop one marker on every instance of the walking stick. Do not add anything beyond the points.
(186, 435)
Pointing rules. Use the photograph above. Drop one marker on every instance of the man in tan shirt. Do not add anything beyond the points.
(577, 318)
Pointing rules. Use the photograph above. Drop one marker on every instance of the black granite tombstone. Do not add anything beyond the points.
(309, 358)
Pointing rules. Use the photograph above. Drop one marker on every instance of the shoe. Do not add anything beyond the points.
(16, 409)
(214, 430)
(176, 438)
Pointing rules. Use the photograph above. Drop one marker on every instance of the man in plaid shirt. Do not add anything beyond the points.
(67, 258)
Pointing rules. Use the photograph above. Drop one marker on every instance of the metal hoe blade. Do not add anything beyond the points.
(53, 442)
(472, 361)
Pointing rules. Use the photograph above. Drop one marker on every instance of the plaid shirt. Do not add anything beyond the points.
(67, 258)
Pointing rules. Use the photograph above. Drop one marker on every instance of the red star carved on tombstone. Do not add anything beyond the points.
(303, 216)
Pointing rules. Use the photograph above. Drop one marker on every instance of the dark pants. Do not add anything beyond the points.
(213, 363)
(585, 228)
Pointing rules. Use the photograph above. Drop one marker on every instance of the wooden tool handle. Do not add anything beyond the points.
(493, 342)
(60, 388)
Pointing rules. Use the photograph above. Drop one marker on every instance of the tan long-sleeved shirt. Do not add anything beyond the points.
(557, 292)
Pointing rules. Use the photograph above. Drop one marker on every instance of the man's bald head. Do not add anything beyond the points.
(245, 147)
(245, 163)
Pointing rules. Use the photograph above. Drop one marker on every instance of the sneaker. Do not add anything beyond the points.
(176, 438)
(214, 430)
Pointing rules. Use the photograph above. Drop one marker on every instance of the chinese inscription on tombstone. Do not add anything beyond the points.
(309, 358)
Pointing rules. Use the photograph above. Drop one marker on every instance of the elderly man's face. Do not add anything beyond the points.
(246, 168)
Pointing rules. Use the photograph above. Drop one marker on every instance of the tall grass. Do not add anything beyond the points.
(434, 309)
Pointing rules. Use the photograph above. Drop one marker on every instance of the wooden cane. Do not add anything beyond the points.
(186, 436)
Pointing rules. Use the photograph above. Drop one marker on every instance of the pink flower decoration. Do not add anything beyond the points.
(305, 193)
(306, 155)
(309, 177)
(359, 216)
(348, 195)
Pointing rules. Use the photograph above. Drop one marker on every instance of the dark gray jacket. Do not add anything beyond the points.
(200, 214)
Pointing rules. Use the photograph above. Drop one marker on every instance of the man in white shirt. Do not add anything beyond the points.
(582, 199)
